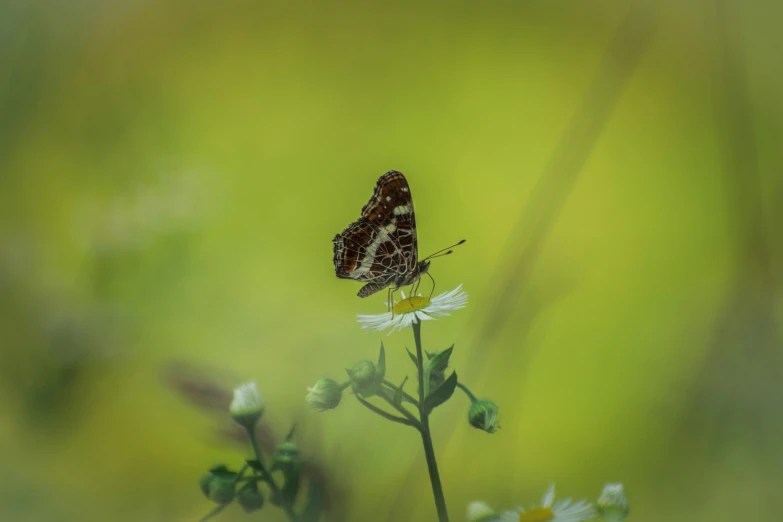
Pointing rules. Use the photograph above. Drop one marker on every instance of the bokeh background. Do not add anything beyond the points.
(172, 174)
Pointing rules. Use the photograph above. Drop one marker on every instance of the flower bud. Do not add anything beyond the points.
(483, 415)
(363, 376)
(249, 498)
(480, 512)
(325, 394)
(287, 453)
(247, 406)
(218, 484)
(612, 504)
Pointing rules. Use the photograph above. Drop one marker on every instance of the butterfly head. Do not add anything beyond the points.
(423, 267)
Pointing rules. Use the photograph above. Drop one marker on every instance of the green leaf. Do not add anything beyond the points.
(441, 360)
(380, 368)
(291, 485)
(253, 463)
(222, 472)
(290, 433)
(398, 393)
(315, 503)
(413, 357)
(442, 394)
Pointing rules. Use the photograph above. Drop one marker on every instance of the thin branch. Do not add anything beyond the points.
(385, 414)
(390, 401)
(214, 512)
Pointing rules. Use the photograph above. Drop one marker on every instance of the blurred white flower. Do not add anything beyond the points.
(612, 504)
(551, 511)
(409, 310)
(481, 512)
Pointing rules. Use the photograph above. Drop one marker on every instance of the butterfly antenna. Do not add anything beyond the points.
(439, 254)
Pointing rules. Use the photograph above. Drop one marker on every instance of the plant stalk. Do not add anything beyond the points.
(469, 393)
(426, 437)
(267, 477)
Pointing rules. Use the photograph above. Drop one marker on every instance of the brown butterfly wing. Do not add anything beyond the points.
(381, 245)
(391, 206)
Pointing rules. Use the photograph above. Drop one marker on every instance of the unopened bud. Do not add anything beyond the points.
(363, 376)
(483, 415)
(325, 394)
(249, 498)
(218, 484)
(612, 504)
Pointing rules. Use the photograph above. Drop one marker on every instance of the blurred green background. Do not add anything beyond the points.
(172, 174)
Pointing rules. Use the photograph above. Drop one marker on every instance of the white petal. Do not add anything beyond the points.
(549, 496)
(439, 306)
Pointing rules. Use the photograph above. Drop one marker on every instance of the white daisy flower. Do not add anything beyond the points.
(551, 511)
(410, 310)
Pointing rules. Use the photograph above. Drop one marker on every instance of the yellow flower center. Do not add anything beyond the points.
(542, 514)
(411, 304)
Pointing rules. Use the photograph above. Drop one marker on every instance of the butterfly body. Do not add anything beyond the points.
(381, 247)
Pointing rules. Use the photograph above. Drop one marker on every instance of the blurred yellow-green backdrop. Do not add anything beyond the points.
(172, 174)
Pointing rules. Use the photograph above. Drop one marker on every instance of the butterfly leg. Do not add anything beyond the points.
(433, 284)
(389, 302)
(416, 287)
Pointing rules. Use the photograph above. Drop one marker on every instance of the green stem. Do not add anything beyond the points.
(241, 472)
(426, 437)
(387, 415)
(390, 401)
(213, 512)
(467, 392)
(267, 477)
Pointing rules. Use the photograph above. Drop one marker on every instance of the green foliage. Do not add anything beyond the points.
(218, 484)
(249, 497)
(314, 507)
(413, 357)
(441, 394)
(399, 393)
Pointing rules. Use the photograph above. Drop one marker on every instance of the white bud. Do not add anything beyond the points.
(612, 504)
(480, 512)
(247, 405)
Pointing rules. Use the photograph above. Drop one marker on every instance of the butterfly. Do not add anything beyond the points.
(381, 247)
